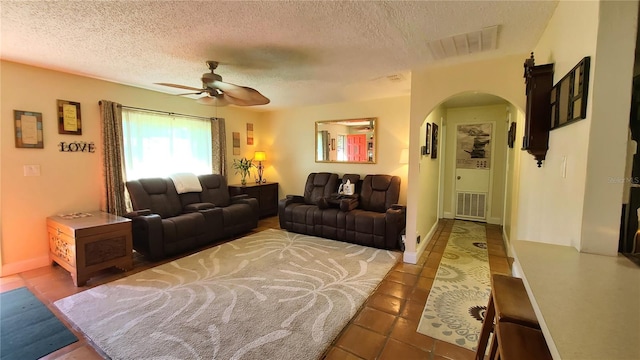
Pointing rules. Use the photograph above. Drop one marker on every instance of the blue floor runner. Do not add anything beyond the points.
(28, 329)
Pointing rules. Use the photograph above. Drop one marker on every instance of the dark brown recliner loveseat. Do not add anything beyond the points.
(371, 217)
(166, 223)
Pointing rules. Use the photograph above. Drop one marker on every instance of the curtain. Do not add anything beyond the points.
(323, 145)
(218, 147)
(158, 144)
(112, 149)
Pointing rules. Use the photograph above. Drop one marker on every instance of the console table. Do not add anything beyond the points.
(84, 243)
(266, 193)
(587, 304)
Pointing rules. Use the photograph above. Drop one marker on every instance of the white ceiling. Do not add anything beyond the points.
(296, 53)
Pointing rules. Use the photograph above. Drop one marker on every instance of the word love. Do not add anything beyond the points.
(80, 146)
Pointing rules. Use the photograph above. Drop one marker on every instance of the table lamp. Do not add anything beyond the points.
(260, 156)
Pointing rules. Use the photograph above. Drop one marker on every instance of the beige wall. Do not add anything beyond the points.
(293, 140)
(69, 182)
(497, 116)
(582, 209)
(551, 200)
(432, 85)
(429, 180)
(512, 176)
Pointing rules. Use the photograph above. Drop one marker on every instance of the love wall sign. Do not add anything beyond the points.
(77, 146)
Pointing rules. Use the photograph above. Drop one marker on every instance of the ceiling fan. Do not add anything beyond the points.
(220, 93)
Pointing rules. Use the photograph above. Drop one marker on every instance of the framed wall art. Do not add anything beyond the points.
(69, 118)
(249, 134)
(28, 129)
(236, 143)
(472, 146)
(427, 140)
(511, 136)
(434, 141)
(569, 96)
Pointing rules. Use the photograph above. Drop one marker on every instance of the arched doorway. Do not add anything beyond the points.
(438, 175)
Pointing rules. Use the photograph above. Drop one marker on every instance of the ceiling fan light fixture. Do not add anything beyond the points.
(212, 101)
(210, 78)
(221, 93)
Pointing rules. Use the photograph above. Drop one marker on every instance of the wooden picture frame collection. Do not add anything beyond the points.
(28, 125)
(569, 96)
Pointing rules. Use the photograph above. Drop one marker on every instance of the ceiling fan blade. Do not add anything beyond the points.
(191, 93)
(181, 87)
(236, 101)
(244, 94)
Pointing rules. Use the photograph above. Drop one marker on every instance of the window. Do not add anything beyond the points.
(158, 145)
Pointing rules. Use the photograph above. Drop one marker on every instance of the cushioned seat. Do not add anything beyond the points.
(370, 217)
(166, 223)
(301, 213)
(239, 213)
(379, 220)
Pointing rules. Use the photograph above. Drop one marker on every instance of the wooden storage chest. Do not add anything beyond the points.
(84, 243)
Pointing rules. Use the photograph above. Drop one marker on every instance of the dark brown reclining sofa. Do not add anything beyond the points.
(371, 217)
(166, 223)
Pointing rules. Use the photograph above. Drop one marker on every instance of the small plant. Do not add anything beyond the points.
(243, 167)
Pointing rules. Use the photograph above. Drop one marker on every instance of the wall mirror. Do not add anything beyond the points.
(346, 141)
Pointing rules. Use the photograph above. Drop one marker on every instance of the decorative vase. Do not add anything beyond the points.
(243, 179)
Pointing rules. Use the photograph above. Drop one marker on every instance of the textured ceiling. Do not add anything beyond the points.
(296, 53)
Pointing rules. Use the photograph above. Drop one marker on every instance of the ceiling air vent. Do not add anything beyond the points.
(465, 44)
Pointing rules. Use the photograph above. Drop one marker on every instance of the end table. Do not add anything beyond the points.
(84, 243)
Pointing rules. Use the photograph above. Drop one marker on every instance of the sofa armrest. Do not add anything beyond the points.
(349, 204)
(395, 219)
(397, 214)
(245, 199)
(235, 198)
(290, 199)
(136, 213)
(195, 207)
(283, 203)
(147, 235)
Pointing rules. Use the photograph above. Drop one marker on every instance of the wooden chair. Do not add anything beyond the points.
(508, 304)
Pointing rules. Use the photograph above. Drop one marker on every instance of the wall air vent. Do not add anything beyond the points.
(471, 206)
(465, 44)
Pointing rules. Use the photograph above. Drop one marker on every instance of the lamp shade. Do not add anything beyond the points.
(259, 156)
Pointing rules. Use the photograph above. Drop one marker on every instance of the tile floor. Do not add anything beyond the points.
(384, 328)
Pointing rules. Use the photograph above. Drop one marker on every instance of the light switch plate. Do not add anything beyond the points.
(31, 170)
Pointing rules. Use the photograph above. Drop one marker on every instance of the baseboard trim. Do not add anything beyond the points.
(411, 257)
(448, 215)
(507, 243)
(494, 221)
(26, 265)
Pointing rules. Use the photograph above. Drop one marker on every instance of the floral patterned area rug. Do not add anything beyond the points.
(460, 292)
(270, 295)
